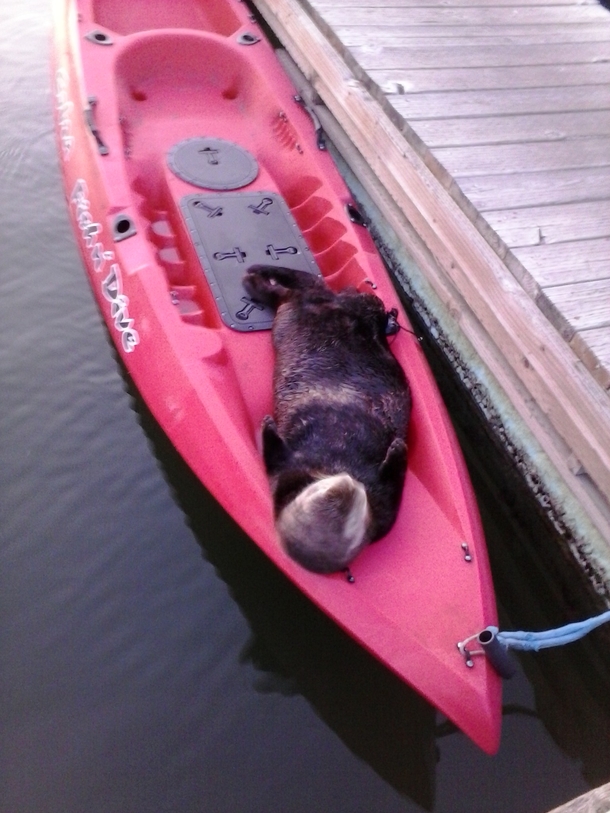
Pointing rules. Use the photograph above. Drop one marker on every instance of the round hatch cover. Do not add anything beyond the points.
(213, 163)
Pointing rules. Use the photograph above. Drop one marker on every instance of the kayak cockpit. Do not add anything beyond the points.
(175, 112)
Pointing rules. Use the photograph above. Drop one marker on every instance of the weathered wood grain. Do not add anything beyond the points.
(553, 264)
(499, 159)
(598, 341)
(514, 129)
(596, 801)
(420, 80)
(468, 15)
(504, 102)
(586, 305)
(537, 188)
(567, 223)
(448, 35)
(377, 55)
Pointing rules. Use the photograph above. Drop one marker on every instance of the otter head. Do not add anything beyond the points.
(327, 524)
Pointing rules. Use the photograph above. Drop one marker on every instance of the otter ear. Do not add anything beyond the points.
(395, 464)
(275, 451)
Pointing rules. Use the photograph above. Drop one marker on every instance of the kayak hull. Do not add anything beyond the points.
(135, 82)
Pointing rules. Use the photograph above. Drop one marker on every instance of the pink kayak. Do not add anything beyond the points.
(186, 157)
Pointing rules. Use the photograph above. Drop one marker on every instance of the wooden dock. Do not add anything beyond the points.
(596, 801)
(479, 131)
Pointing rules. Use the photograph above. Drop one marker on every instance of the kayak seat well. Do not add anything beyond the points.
(141, 15)
(180, 86)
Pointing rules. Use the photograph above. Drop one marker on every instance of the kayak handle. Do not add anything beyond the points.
(320, 140)
(90, 119)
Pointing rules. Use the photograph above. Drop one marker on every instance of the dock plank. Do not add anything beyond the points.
(421, 80)
(378, 55)
(469, 35)
(557, 265)
(552, 224)
(467, 15)
(533, 188)
(586, 305)
(504, 102)
(513, 129)
(499, 159)
(598, 341)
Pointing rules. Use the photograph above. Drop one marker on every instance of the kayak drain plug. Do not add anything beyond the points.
(99, 37)
(122, 228)
(248, 39)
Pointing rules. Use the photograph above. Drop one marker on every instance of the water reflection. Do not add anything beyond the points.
(297, 649)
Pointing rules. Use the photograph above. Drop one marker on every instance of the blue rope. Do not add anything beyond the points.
(533, 641)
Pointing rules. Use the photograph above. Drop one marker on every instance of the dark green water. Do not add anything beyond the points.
(151, 659)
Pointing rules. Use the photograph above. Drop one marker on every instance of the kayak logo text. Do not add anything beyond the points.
(112, 285)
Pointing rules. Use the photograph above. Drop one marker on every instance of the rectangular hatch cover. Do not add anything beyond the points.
(232, 231)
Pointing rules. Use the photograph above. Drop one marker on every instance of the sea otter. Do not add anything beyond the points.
(335, 450)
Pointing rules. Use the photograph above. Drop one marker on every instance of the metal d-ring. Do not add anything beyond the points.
(320, 137)
(469, 653)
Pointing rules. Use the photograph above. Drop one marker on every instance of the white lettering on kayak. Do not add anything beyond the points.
(113, 291)
(65, 108)
(112, 286)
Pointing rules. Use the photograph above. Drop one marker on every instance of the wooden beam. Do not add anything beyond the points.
(555, 395)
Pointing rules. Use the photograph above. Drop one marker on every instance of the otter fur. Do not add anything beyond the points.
(335, 450)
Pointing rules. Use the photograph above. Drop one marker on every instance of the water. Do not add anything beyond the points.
(151, 659)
